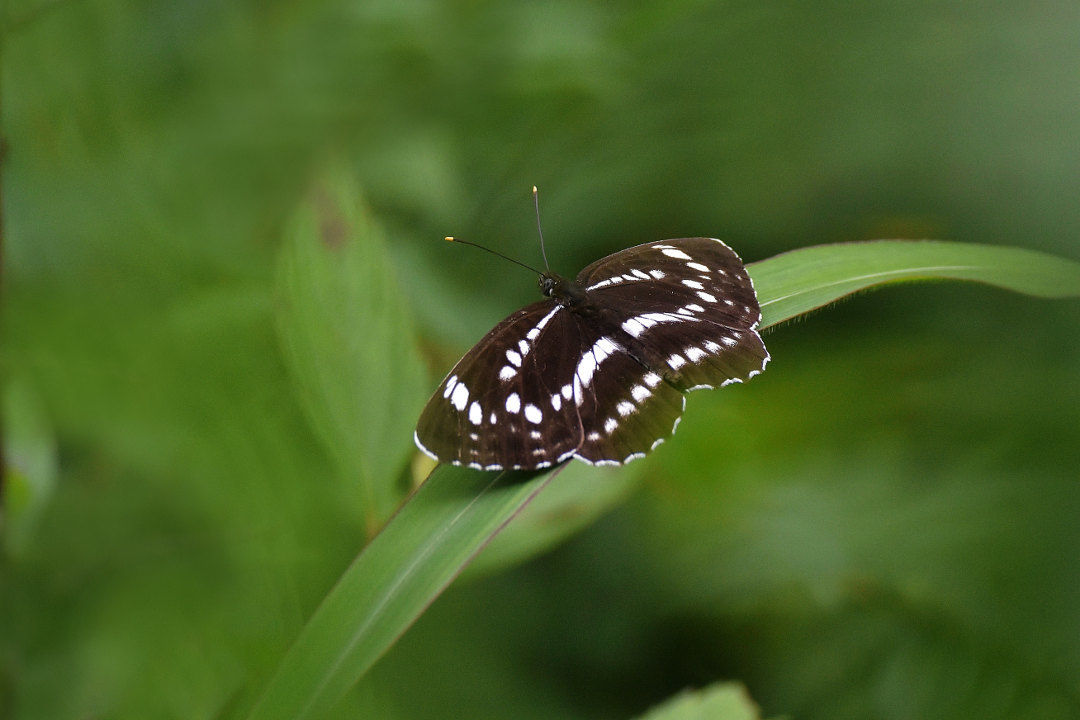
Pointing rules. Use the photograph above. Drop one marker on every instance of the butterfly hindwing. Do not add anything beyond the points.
(626, 408)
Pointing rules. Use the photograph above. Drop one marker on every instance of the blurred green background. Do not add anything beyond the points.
(883, 525)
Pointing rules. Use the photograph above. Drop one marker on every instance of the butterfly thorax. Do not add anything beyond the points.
(565, 292)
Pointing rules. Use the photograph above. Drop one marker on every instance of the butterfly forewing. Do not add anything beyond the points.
(600, 378)
(687, 306)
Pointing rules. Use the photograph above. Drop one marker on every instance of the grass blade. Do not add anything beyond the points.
(405, 567)
(799, 281)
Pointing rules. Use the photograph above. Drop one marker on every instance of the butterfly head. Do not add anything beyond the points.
(560, 289)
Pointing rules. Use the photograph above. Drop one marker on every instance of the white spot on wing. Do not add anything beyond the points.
(639, 274)
(694, 353)
(625, 408)
(706, 296)
(652, 379)
(586, 367)
(540, 326)
(567, 391)
(590, 361)
(676, 361)
(676, 253)
(640, 393)
(556, 401)
(507, 373)
(450, 386)
(603, 345)
(533, 414)
(663, 317)
(698, 266)
(693, 284)
(695, 307)
(604, 283)
(514, 358)
(657, 274)
(475, 413)
(633, 326)
(610, 424)
(637, 325)
(513, 403)
(460, 397)
(523, 347)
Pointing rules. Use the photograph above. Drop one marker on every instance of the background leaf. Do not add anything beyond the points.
(347, 337)
(31, 464)
(718, 702)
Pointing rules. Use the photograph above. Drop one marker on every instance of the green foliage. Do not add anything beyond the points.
(348, 339)
(444, 524)
(208, 398)
(720, 702)
(447, 521)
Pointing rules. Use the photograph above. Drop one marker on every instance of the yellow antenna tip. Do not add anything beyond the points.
(534, 190)
(448, 239)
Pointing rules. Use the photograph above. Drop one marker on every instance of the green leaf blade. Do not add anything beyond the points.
(803, 280)
(450, 518)
(347, 339)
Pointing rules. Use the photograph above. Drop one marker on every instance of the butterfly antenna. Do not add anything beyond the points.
(493, 252)
(536, 204)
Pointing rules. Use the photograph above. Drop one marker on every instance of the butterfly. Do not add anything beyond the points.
(598, 369)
